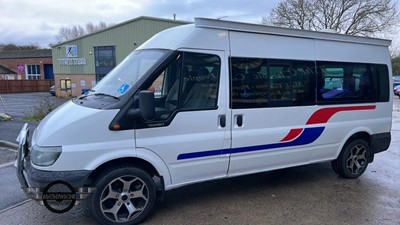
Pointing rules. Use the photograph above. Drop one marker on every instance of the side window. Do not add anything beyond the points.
(249, 83)
(190, 82)
(350, 82)
(260, 83)
(292, 82)
(200, 81)
(166, 89)
(381, 74)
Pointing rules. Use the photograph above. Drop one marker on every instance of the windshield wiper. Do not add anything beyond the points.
(104, 94)
(86, 94)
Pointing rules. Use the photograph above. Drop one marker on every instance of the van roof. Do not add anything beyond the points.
(280, 31)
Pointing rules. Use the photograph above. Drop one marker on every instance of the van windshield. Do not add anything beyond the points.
(127, 73)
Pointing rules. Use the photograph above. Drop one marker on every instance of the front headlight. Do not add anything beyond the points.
(45, 156)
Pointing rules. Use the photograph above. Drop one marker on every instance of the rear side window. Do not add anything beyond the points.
(260, 83)
(346, 82)
(382, 74)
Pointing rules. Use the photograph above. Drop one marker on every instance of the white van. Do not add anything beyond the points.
(211, 100)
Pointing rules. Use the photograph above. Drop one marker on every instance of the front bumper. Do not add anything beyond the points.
(33, 181)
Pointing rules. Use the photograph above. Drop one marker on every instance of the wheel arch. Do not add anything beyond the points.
(121, 162)
(364, 135)
(144, 159)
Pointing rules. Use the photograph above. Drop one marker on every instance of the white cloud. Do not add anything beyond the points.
(39, 21)
(26, 21)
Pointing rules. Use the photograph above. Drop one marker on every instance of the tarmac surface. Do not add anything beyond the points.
(311, 194)
(19, 106)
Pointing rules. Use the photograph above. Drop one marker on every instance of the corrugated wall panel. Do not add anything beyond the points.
(125, 37)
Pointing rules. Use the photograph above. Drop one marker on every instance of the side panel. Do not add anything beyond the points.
(257, 145)
(351, 52)
(189, 37)
(266, 138)
(283, 137)
(190, 132)
(254, 142)
(271, 46)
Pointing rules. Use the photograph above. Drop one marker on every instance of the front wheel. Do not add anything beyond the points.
(352, 161)
(123, 196)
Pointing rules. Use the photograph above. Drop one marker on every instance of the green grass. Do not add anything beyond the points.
(41, 108)
(32, 118)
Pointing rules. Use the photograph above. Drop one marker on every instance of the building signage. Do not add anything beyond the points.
(71, 51)
(20, 68)
(71, 54)
(72, 62)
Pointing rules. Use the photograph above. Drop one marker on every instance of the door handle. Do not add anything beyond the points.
(222, 121)
(239, 120)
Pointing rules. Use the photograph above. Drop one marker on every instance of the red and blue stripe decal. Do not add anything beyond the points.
(295, 137)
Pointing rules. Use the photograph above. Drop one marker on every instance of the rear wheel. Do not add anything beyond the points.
(352, 161)
(123, 196)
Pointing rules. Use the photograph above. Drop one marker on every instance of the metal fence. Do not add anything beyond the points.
(17, 86)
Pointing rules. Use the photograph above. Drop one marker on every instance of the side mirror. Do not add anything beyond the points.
(147, 105)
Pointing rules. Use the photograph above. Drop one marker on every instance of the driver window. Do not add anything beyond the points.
(190, 82)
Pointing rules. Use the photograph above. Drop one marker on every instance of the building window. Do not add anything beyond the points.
(105, 60)
(32, 72)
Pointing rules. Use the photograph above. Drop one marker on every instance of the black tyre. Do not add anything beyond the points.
(352, 161)
(123, 196)
(334, 165)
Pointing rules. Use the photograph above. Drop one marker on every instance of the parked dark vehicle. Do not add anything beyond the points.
(396, 81)
(396, 90)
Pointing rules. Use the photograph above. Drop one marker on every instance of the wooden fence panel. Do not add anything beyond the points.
(18, 86)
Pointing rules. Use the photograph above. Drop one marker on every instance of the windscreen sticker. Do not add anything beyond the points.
(123, 88)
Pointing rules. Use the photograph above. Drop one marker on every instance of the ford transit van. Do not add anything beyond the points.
(211, 100)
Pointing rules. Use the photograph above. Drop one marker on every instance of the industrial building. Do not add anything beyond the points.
(26, 70)
(80, 63)
(35, 64)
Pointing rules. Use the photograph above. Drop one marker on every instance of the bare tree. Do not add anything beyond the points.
(13, 47)
(68, 33)
(395, 48)
(396, 65)
(77, 31)
(91, 28)
(354, 17)
(293, 14)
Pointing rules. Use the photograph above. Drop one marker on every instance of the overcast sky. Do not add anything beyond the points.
(39, 21)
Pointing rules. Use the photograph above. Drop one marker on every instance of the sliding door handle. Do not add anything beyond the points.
(239, 120)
